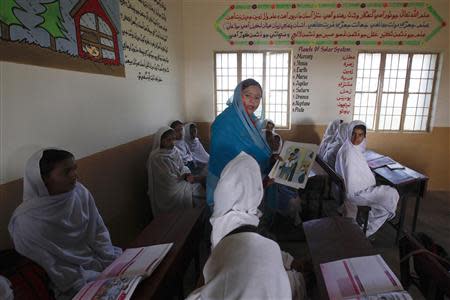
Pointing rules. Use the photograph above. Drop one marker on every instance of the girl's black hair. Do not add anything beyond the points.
(362, 127)
(166, 134)
(249, 82)
(175, 124)
(50, 158)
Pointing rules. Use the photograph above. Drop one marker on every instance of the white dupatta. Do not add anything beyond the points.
(244, 265)
(238, 194)
(328, 137)
(64, 233)
(332, 149)
(195, 146)
(183, 148)
(352, 165)
(167, 189)
(361, 186)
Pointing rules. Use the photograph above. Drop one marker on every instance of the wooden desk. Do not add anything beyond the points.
(331, 239)
(407, 182)
(183, 229)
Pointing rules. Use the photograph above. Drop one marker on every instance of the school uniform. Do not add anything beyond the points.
(64, 233)
(361, 186)
(167, 189)
(244, 264)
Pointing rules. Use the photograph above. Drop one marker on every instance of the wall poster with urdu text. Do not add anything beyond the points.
(79, 35)
(145, 34)
(318, 28)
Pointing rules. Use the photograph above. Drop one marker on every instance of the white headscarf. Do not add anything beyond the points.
(6, 293)
(198, 152)
(244, 265)
(165, 167)
(328, 136)
(341, 133)
(158, 135)
(155, 148)
(267, 121)
(332, 149)
(183, 147)
(352, 166)
(278, 151)
(237, 196)
(63, 233)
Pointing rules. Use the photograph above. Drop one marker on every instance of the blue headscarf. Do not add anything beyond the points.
(234, 131)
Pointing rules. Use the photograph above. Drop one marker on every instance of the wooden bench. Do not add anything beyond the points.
(184, 230)
(362, 215)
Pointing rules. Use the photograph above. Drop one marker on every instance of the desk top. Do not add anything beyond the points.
(331, 239)
(177, 228)
(400, 176)
(378, 164)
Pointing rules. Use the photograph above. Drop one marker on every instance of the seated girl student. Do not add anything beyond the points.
(328, 137)
(58, 225)
(272, 138)
(244, 264)
(181, 145)
(269, 125)
(171, 186)
(360, 182)
(237, 129)
(332, 149)
(201, 157)
(269, 130)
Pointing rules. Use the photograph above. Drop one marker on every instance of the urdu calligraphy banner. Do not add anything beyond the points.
(338, 23)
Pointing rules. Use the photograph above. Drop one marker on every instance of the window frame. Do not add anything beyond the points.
(264, 75)
(98, 34)
(379, 93)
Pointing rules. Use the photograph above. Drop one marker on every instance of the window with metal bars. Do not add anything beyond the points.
(394, 91)
(271, 69)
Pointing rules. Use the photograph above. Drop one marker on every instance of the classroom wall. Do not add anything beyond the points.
(202, 39)
(105, 121)
(427, 152)
(84, 112)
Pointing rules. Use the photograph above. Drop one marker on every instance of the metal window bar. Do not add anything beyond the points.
(388, 101)
(406, 94)
(425, 109)
(363, 109)
(276, 106)
(264, 81)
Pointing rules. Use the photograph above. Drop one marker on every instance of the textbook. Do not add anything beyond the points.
(366, 277)
(294, 164)
(120, 279)
(395, 166)
(380, 162)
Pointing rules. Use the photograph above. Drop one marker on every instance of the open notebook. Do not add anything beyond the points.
(366, 277)
(120, 279)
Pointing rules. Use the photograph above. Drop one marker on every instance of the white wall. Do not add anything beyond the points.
(83, 112)
(201, 40)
